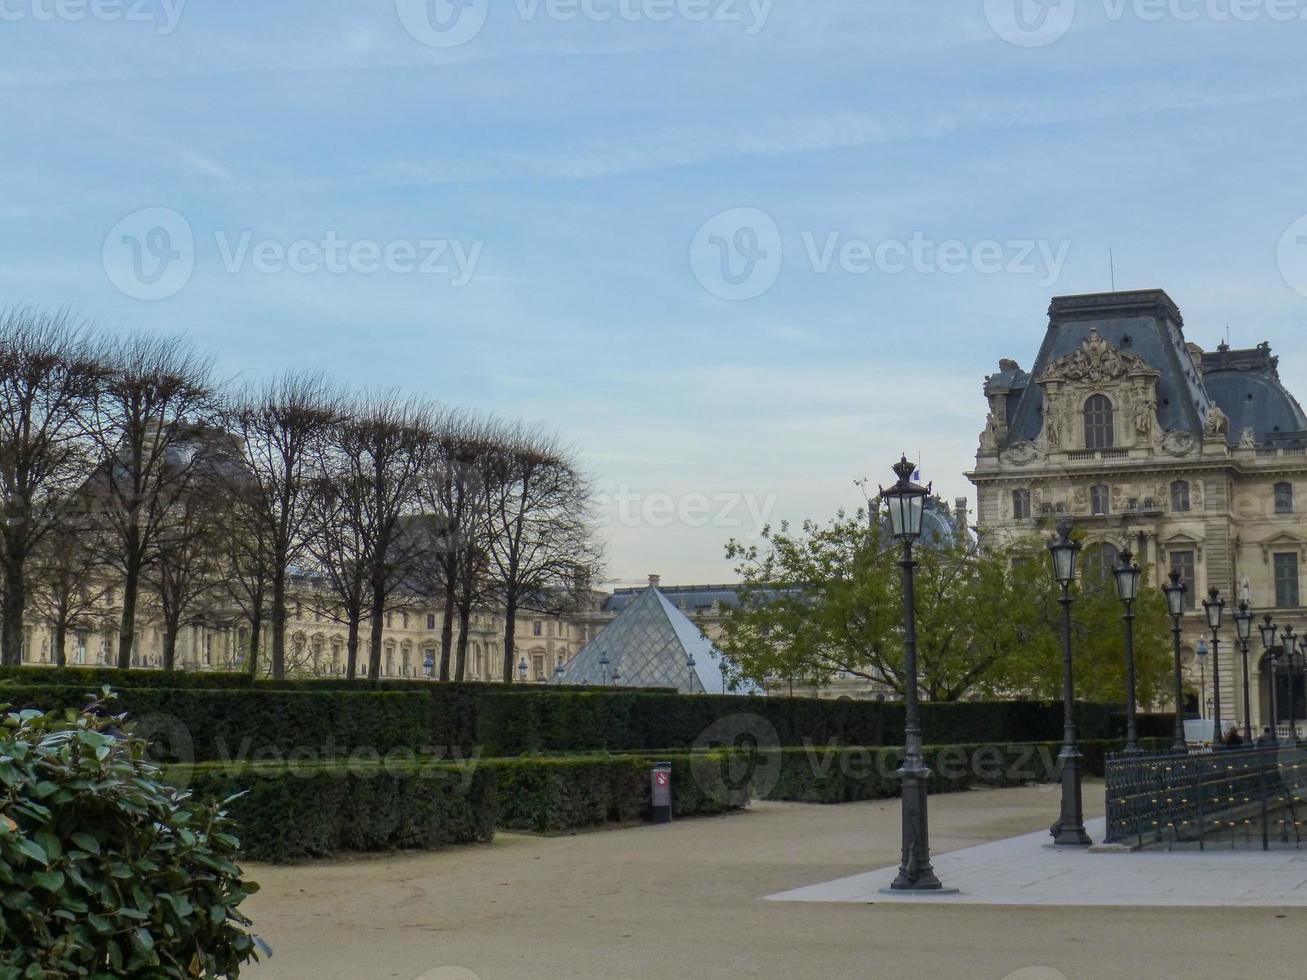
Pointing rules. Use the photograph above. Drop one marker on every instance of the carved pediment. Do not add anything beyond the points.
(1284, 541)
(1021, 453)
(1178, 442)
(1096, 361)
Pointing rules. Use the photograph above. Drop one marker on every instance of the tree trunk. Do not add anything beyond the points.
(170, 631)
(279, 624)
(256, 629)
(376, 623)
(15, 602)
(352, 646)
(127, 626)
(447, 631)
(60, 642)
(510, 638)
(460, 671)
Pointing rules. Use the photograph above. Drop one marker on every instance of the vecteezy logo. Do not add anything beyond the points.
(443, 23)
(1036, 973)
(1030, 23)
(1292, 256)
(736, 255)
(150, 254)
(448, 973)
(745, 760)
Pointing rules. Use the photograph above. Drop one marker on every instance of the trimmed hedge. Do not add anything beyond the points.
(263, 722)
(290, 813)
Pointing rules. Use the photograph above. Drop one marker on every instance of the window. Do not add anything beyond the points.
(431, 621)
(536, 628)
(1286, 580)
(1021, 504)
(1098, 423)
(1180, 495)
(1183, 562)
(1284, 498)
(1098, 499)
(1099, 562)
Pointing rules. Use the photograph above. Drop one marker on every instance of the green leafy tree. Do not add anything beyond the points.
(827, 598)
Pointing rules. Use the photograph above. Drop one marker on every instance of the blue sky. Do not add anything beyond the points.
(738, 254)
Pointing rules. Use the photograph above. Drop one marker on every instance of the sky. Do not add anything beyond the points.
(738, 254)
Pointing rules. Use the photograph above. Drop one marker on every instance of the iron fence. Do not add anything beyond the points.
(1219, 797)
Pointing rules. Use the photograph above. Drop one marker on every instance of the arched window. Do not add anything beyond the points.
(1098, 563)
(1284, 498)
(1098, 499)
(1098, 423)
(1180, 495)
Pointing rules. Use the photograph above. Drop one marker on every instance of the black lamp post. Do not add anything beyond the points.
(1243, 629)
(1214, 606)
(691, 664)
(1289, 642)
(906, 502)
(1268, 630)
(1070, 827)
(603, 666)
(1127, 589)
(1175, 606)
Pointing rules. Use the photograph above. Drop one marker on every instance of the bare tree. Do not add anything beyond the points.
(47, 381)
(337, 535)
(453, 491)
(185, 572)
(542, 550)
(153, 396)
(68, 584)
(283, 427)
(385, 445)
(243, 548)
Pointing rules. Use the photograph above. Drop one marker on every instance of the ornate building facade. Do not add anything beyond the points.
(1195, 461)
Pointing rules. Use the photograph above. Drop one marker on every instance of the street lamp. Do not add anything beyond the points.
(429, 665)
(1070, 826)
(1214, 606)
(1290, 644)
(1243, 630)
(1127, 589)
(1201, 651)
(1175, 606)
(521, 669)
(906, 503)
(603, 666)
(1268, 630)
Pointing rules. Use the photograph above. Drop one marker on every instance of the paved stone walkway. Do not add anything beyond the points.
(1026, 871)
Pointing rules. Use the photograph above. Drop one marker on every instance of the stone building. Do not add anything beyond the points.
(1193, 460)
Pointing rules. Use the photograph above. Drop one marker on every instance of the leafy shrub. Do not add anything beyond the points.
(107, 871)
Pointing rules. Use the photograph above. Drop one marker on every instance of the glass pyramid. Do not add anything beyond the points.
(650, 644)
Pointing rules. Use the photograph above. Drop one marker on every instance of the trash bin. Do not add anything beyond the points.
(660, 779)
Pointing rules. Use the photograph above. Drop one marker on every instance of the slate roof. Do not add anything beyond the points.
(1147, 323)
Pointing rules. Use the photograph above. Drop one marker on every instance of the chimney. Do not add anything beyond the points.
(960, 513)
(654, 580)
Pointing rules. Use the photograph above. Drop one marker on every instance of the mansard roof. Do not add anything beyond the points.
(1246, 384)
(1145, 323)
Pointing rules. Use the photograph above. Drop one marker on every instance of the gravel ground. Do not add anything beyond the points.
(686, 901)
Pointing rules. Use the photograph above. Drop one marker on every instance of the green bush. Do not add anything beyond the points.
(322, 719)
(289, 813)
(107, 871)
